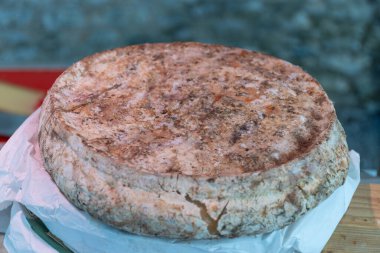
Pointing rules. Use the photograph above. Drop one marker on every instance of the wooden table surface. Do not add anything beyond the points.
(359, 230)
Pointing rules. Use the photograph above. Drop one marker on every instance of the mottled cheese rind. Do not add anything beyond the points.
(189, 140)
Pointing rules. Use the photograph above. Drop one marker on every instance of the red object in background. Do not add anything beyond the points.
(38, 79)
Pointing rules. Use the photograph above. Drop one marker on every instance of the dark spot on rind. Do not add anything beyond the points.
(316, 115)
(211, 180)
(264, 212)
(240, 130)
(235, 136)
(247, 162)
(320, 99)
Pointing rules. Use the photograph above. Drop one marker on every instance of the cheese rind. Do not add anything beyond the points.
(189, 140)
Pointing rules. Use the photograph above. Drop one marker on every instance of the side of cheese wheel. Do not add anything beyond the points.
(190, 140)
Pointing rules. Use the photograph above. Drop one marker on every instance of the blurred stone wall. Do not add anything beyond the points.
(337, 41)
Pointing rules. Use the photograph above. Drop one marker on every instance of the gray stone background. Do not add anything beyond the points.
(337, 41)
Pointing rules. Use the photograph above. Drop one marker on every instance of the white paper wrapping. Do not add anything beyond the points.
(24, 180)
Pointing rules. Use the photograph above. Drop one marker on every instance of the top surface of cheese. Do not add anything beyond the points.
(193, 109)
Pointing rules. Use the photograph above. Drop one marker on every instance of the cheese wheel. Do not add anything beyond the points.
(191, 140)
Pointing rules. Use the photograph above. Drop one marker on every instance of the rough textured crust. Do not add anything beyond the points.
(209, 142)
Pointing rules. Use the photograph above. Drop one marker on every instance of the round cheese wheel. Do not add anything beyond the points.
(191, 140)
